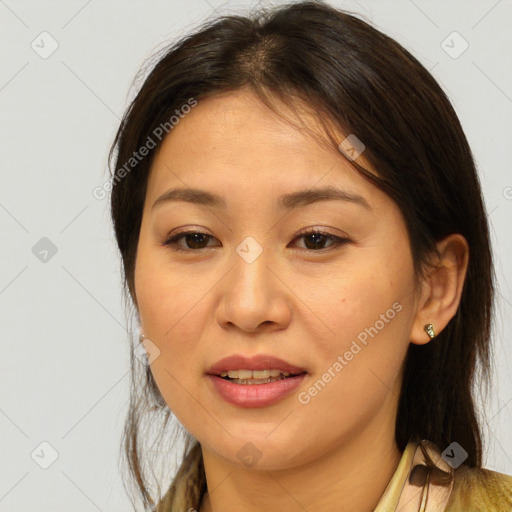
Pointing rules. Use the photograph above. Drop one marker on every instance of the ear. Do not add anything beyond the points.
(441, 288)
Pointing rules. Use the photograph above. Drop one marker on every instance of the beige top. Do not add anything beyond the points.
(418, 486)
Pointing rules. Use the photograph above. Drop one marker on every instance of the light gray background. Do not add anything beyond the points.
(64, 365)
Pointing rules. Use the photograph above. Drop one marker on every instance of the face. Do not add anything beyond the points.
(338, 304)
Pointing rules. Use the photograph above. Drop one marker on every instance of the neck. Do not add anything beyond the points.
(352, 476)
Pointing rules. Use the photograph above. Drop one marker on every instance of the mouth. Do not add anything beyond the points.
(254, 377)
(254, 381)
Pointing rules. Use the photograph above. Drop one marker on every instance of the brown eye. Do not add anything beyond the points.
(194, 240)
(315, 240)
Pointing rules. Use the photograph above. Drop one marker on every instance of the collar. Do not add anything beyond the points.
(418, 484)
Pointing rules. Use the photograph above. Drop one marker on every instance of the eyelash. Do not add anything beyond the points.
(173, 245)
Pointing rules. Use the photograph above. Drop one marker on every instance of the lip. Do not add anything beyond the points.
(257, 362)
(255, 395)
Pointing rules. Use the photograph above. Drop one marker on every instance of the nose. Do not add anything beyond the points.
(254, 296)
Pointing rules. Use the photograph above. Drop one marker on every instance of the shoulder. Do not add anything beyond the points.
(478, 489)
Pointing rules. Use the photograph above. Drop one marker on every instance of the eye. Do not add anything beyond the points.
(317, 239)
(195, 240)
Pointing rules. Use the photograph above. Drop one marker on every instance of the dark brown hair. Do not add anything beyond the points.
(363, 83)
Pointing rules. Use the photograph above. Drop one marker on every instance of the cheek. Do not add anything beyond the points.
(172, 317)
(361, 298)
(358, 368)
(166, 298)
(367, 307)
(175, 319)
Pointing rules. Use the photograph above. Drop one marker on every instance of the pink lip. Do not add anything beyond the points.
(255, 395)
(258, 362)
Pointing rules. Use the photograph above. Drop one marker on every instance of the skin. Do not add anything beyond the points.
(302, 304)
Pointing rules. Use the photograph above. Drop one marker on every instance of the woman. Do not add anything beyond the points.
(305, 243)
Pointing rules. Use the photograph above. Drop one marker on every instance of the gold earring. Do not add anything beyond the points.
(429, 329)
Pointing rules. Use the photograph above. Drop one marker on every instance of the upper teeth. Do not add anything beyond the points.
(253, 374)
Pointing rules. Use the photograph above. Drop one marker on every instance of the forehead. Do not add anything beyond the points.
(236, 123)
(233, 143)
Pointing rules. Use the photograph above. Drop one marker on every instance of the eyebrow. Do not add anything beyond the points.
(286, 201)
